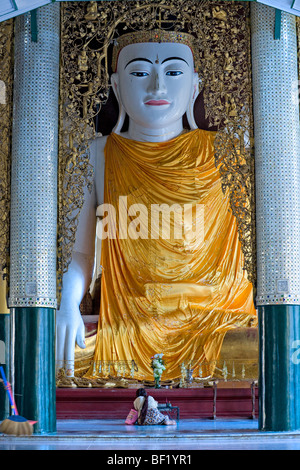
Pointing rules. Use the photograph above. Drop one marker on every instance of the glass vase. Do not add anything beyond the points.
(157, 382)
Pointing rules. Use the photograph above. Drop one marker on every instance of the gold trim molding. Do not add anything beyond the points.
(298, 44)
(6, 105)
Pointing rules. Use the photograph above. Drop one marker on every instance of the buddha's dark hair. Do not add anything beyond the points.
(141, 392)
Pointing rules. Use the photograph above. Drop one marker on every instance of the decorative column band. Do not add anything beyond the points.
(34, 161)
(277, 152)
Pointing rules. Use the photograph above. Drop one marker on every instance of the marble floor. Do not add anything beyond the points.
(188, 434)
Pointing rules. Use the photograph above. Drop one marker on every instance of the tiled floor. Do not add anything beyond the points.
(113, 435)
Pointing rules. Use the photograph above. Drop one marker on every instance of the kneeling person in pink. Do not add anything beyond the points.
(148, 411)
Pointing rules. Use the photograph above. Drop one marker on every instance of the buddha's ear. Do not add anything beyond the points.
(115, 85)
(196, 87)
(190, 111)
(122, 113)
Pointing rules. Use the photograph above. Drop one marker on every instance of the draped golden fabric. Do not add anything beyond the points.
(169, 295)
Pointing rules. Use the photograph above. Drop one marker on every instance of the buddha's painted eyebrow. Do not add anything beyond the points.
(138, 60)
(175, 58)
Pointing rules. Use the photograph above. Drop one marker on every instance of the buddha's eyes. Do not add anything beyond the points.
(170, 73)
(140, 74)
(174, 73)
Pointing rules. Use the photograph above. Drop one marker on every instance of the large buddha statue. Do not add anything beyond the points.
(159, 294)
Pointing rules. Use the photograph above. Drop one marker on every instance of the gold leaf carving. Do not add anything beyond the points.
(6, 94)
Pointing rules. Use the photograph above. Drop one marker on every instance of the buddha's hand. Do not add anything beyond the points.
(69, 330)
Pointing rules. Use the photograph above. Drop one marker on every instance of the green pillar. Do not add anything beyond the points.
(4, 349)
(35, 367)
(279, 381)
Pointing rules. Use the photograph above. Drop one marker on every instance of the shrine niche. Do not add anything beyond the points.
(88, 108)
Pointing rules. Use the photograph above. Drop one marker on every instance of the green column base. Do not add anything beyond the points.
(279, 380)
(35, 390)
(5, 363)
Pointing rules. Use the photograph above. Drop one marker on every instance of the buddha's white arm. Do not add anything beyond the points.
(69, 323)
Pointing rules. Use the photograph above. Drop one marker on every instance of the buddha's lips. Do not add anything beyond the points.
(157, 102)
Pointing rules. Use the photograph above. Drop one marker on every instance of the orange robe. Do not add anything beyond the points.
(169, 295)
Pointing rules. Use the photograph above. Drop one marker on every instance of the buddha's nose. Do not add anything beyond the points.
(157, 83)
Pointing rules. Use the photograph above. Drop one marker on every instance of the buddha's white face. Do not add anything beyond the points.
(155, 82)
